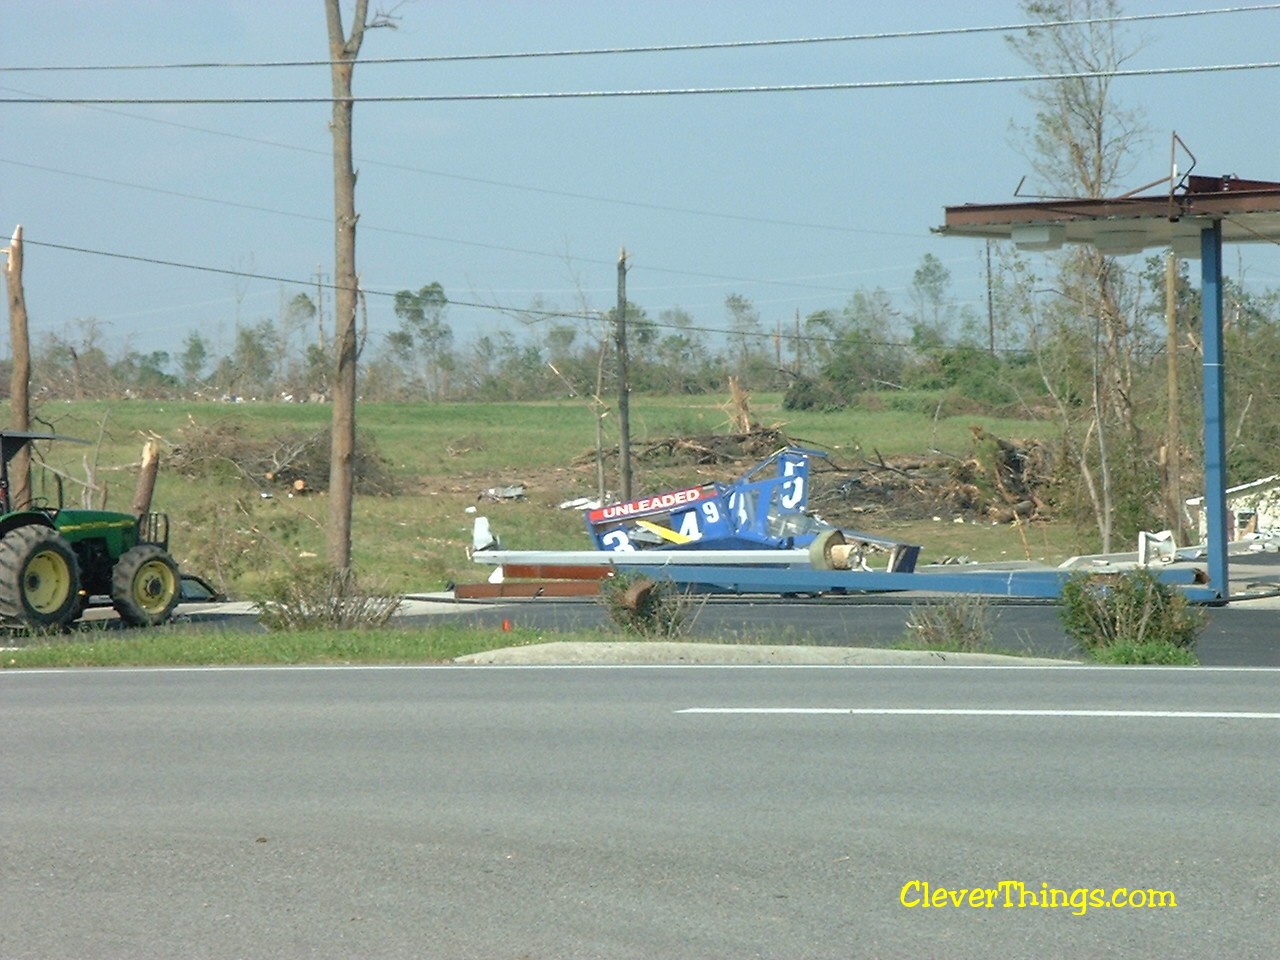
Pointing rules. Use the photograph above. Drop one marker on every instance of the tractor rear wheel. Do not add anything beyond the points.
(145, 585)
(39, 578)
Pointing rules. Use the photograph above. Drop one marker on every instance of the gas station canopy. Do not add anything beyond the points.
(1248, 211)
(1196, 217)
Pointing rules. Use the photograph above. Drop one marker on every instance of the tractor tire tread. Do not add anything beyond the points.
(16, 549)
(125, 572)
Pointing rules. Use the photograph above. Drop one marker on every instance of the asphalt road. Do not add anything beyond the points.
(617, 813)
(1244, 633)
(1241, 634)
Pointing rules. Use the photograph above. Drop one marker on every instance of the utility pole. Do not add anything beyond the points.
(991, 312)
(320, 306)
(1173, 462)
(795, 346)
(624, 387)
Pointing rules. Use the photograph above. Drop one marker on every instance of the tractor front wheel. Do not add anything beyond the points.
(39, 578)
(145, 586)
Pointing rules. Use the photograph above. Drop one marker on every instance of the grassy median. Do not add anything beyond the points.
(183, 645)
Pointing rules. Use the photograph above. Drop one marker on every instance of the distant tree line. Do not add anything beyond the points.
(823, 360)
(1037, 353)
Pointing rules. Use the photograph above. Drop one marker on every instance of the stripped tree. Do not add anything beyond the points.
(343, 50)
(1081, 145)
(20, 378)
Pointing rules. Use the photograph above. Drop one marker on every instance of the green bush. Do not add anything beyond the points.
(806, 393)
(1154, 652)
(1130, 618)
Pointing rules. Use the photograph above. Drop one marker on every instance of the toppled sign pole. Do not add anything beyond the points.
(755, 535)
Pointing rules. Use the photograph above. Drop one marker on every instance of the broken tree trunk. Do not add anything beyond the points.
(146, 479)
(20, 378)
(739, 407)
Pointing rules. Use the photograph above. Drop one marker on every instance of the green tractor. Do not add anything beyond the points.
(55, 562)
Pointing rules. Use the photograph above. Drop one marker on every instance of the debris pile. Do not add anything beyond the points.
(707, 449)
(295, 461)
(999, 481)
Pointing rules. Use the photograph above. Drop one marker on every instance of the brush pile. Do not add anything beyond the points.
(296, 462)
(999, 480)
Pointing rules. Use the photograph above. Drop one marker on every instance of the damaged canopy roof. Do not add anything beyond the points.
(1249, 211)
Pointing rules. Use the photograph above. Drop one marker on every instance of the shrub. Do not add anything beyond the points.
(648, 608)
(1130, 618)
(1155, 652)
(316, 597)
(958, 624)
(806, 393)
(223, 542)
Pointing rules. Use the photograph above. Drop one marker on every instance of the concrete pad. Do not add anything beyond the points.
(416, 605)
(1270, 601)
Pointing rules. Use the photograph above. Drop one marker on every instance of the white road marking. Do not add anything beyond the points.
(623, 667)
(982, 712)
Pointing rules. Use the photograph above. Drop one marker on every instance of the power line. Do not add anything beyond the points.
(546, 191)
(664, 48)
(658, 92)
(310, 282)
(392, 231)
(635, 204)
(532, 313)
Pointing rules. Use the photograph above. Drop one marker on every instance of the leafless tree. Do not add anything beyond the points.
(19, 496)
(344, 48)
(1082, 144)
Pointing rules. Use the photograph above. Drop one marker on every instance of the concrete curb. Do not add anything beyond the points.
(660, 653)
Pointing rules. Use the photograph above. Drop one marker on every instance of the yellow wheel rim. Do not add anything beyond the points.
(154, 586)
(47, 582)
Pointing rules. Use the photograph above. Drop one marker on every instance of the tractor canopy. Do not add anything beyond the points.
(11, 442)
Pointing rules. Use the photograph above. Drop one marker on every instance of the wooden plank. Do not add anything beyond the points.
(554, 571)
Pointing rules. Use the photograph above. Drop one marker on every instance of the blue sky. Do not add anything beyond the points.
(793, 200)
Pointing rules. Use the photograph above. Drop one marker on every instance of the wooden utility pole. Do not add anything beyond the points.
(991, 310)
(1173, 462)
(20, 378)
(320, 308)
(795, 347)
(624, 385)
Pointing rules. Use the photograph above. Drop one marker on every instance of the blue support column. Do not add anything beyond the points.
(1215, 444)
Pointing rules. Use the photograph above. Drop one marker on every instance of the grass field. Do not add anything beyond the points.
(443, 455)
